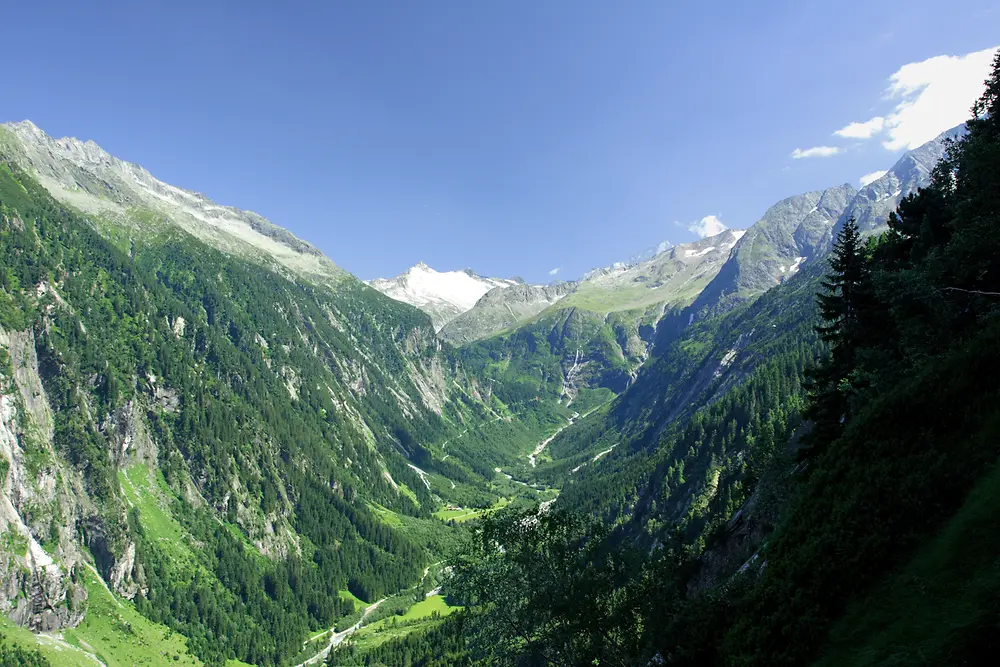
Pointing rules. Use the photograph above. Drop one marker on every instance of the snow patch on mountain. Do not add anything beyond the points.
(702, 252)
(444, 295)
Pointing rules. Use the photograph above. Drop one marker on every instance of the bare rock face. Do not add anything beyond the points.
(123, 573)
(43, 600)
(129, 436)
(874, 202)
(502, 308)
(36, 584)
(792, 232)
(114, 556)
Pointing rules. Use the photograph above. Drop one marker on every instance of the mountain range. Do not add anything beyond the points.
(790, 233)
(209, 426)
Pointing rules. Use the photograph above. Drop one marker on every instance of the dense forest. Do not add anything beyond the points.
(14, 656)
(109, 343)
(441, 646)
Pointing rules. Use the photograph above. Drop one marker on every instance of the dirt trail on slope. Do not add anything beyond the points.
(337, 638)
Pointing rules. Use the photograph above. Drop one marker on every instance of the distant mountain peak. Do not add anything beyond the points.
(650, 253)
(444, 295)
(727, 238)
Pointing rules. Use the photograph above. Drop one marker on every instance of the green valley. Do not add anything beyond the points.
(771, 446)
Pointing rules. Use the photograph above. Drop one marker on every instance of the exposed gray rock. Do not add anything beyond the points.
(502, 308)
(872, 205)
(792, 232)
(35, 587)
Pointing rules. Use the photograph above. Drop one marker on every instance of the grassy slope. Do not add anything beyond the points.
(348, 595)
(418, 618)
(606, 299)
(943, 607)
(148, 495)
(468, 514)
(112, 632)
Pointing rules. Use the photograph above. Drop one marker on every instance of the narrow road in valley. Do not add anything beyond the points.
(545, 443)
(337, 638)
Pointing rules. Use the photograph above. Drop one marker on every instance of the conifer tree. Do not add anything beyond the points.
(842, 305)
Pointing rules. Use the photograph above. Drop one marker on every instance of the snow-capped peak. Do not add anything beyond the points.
(443, 295)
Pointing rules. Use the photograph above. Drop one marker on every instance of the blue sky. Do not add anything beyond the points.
(511, 137)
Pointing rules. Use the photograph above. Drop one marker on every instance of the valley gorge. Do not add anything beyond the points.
(219, 447)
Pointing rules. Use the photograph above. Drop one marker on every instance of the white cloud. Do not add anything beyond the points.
(872, 177)
(863, 130)
(710, 225)
(931, 96)
(555, 271)
(815, 151)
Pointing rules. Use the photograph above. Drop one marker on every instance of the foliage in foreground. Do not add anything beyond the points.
(550, 588)
(12, 655)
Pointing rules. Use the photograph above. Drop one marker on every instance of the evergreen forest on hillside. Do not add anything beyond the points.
(876, 494)
(213, 460)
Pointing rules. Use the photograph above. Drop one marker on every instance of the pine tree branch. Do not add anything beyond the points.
(970, 291)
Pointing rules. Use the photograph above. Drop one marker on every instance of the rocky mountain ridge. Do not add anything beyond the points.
(83, 175)
(800, 229)
(871, 206)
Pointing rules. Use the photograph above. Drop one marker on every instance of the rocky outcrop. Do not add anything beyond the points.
(37, 504)
(42, 599)
(129, 436)
(503, 308)
(792, 232)
(871, 207)
(114, 555)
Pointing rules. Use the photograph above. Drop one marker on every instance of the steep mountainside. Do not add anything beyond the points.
(442, 295)
(598, 334)
(503, 308)
(675, 275)
(229, 444)
(130, 200)
(792, 232)
(800, 229)
(706, 363)
(871, 207)
(674, 466)
(712, 370)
